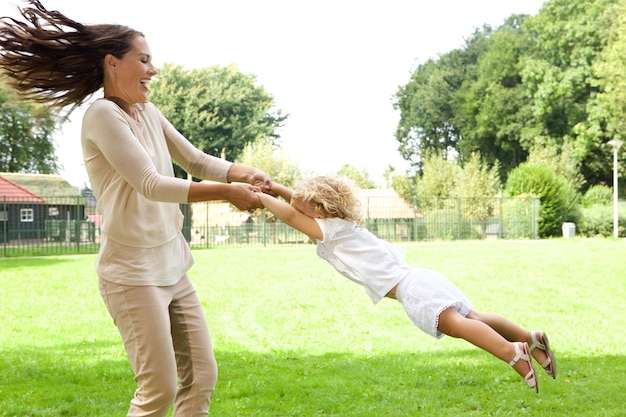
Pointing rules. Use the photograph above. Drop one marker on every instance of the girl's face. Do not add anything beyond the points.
(132, 73)
(305, 208)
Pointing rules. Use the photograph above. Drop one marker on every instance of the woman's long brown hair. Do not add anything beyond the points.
(52, 59)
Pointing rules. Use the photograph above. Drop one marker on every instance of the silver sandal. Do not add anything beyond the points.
(521, 353)
(540, 341)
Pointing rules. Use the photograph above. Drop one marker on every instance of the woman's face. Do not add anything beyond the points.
(130, 75)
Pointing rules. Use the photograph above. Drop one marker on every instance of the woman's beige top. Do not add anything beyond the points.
(129, 164)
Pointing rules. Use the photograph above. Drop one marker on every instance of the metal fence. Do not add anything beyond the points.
(69, 225)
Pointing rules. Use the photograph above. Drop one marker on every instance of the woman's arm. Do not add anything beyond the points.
(291, 216)
(242, 196)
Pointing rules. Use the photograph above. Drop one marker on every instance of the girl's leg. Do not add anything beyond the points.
(480, 334)
(509, 330)
(197, 368)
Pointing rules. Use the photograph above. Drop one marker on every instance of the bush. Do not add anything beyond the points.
(598, 194)
(597, 220)
(557, 199)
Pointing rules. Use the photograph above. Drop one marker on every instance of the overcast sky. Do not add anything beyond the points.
(332, 65)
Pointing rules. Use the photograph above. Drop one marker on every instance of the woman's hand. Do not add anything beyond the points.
(261, 180)
(250, 175)
(244, 197)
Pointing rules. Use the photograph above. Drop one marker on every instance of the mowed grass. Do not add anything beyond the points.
(294, 338)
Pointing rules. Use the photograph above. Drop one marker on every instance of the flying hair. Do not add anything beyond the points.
(52, 59)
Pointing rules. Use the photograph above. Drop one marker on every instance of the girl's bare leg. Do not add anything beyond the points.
(509, 330)
(481, 334)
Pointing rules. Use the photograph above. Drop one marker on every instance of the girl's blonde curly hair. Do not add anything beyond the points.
(331, 197)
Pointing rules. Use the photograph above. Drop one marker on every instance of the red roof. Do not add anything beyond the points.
(10, 191)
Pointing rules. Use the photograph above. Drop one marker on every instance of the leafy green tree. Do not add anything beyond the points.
(427, 103)
(264, 155)
(552, 80)
(219, 109)
(26, 135)
(360, 178)
(467, 100)
(569, 36)
(607, 114)
(479, 184)
(477, 178)
(493, 110)
(439, 178)
(561, 160)
(403, 184)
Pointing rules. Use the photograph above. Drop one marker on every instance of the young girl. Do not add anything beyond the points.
(328, 211)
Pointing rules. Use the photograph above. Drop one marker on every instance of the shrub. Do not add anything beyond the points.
(597, 220)
(557, 199)
(597, 194)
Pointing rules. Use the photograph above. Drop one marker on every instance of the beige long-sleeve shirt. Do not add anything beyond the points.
(129, 164)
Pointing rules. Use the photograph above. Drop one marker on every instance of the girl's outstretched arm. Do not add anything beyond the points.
(288, 214)
(281, 191)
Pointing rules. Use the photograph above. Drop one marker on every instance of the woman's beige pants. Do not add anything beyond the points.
(167, 342)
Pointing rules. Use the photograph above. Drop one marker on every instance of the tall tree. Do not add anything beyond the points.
(607, 114)
(219, 109)
(427, 103)
(569, 36)
(493, 109)
(26, 135)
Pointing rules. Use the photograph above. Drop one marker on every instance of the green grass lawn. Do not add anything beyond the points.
(294, 338)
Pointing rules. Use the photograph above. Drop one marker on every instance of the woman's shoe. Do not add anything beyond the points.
(541, 342)
(522, 353)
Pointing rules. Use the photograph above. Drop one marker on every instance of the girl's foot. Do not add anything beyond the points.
(540, 349)
(524, 366)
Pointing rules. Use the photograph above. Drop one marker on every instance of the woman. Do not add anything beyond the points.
(128, 148)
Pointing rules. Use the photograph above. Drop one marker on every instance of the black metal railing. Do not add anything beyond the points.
(69, 225)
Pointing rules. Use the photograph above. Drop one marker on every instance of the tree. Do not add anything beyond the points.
(493, 109)
(403, 184)
(427, 104)
(552, 80)
(479, 184)
(607, 115)
(264, 155)
(439, 178)
(26, 135)
(360, 178)
(219, 109)
(569, 37)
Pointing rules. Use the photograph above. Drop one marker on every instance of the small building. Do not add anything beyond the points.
(390, 216)
(37, 206)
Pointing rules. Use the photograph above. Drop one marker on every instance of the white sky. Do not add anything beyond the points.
(332, 65)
